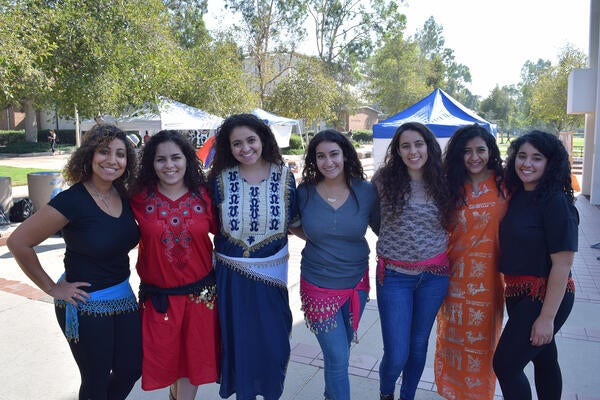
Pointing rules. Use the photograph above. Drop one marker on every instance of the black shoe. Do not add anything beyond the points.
(386, 396)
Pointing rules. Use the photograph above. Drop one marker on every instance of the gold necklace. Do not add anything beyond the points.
(332, 198)
(104, 198)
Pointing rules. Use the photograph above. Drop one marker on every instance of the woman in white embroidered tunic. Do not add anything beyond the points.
(254, 194)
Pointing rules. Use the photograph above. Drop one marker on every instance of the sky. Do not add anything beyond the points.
(493, 38)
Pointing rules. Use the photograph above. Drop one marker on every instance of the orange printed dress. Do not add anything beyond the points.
(470, 319)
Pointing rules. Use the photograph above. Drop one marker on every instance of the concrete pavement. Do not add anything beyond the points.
(36, 362)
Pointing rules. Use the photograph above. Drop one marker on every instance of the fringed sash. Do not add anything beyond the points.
(439, 265)
(116, 299)
(533, 286)
(320, 305)
(272, 270)
(202, 291)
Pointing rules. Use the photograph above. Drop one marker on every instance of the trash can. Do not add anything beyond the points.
(43, 186)
(6, 199)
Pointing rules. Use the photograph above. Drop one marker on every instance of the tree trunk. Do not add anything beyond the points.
(77, 128)
(31, 130)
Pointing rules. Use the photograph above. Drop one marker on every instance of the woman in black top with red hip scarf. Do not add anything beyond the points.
(538, 241)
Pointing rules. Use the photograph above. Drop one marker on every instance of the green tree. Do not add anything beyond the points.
(187, 23)
(395, 76)
(439, 63)
(214, 80)
(86, 57)
(272, 28)
(549, 92)
(24, 52)
(307, 93)
(500, 108)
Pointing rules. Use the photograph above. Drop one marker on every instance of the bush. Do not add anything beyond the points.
(295, 146)
(295, 141)
(362, 136)
(7, 137)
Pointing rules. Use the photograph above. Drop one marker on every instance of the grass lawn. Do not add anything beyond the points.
(18, 176)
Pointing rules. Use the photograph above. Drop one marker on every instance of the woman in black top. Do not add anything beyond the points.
(95, 306)
(538, 240)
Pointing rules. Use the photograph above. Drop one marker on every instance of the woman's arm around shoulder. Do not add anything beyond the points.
(34, 230)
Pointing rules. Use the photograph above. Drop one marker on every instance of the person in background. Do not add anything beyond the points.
(180, 331)
(336, 206)
(538, 241)
(255, 198)
(95, 305)
(52, 140)
(470, 320)
(413, 269)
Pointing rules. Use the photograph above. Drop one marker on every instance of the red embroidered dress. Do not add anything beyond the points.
(175, 250)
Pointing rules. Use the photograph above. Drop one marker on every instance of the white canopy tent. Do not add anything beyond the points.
(281, 126)
(165, 114)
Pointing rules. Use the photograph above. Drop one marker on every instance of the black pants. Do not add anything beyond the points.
(52, 144)
(514, 351)
(108, 354)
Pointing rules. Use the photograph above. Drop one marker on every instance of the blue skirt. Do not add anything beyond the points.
(256, 324)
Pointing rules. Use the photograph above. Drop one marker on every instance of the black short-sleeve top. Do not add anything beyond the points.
(97, 244)
(533, 229)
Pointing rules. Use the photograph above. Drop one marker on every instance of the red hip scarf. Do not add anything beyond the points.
(533, 286)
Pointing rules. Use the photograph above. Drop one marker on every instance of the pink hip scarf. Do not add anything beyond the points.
(439, 265)
(320, 305)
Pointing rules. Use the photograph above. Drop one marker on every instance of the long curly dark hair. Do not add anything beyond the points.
(224, 158)
(556, 176)
(393, 180)
(79, 167)
(352, 165)
(193, 178)
(454, 163)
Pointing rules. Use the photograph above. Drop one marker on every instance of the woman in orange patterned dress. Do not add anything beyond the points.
(470, 320)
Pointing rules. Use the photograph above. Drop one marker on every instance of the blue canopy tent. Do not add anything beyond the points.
(438, 111)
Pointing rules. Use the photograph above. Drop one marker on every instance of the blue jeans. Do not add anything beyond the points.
(335, 345)
(408, 305)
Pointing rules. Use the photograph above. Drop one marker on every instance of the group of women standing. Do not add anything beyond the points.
(445, 230)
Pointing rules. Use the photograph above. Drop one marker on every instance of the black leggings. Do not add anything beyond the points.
(514, 351)
(108, 354)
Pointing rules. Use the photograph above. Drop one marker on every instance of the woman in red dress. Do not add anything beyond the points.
(180, 332)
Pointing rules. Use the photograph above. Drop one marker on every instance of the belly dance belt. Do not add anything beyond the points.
(202, 291)
(532, 286)
(321, 305)
(113, 300)
(271, 270)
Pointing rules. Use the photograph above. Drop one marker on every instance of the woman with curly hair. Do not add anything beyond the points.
(180, 330)
(538, 241)
(255, 198)
(95, 305)
(336, 205)
(412, 268)
(470, 320)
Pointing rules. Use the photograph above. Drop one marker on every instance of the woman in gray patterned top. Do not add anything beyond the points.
(412, 269)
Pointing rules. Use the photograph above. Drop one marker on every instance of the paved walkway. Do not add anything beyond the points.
(36, 363)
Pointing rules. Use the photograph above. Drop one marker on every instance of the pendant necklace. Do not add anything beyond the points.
(329, 197)
(104, 198)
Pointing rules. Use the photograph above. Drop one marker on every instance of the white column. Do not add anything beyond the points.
(594, 121)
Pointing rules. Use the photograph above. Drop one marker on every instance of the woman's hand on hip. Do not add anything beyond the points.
(69, 291)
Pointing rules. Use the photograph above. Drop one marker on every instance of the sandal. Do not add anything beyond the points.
(171, 396)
